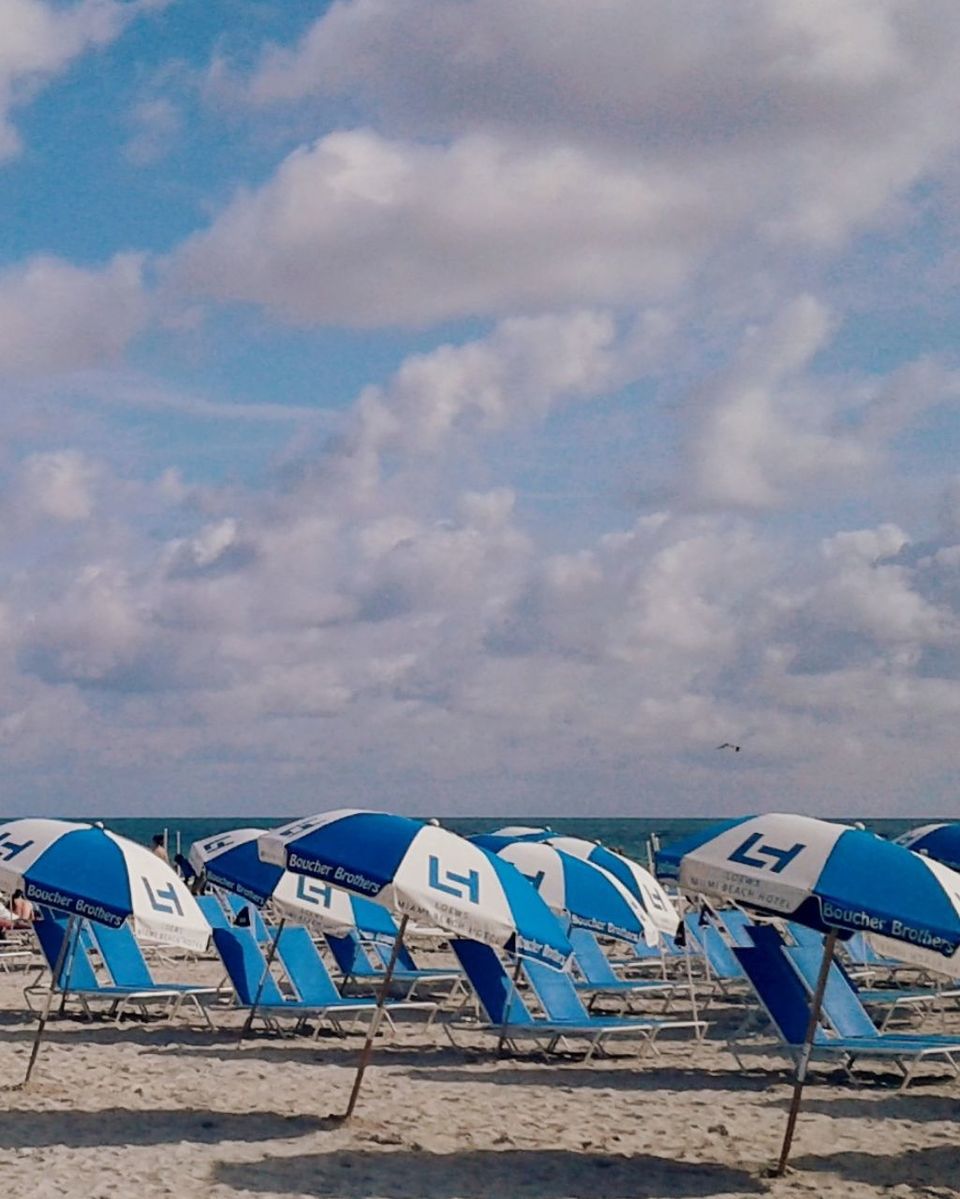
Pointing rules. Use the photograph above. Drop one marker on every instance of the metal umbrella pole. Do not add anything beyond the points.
(807, 1050)
(506, 1006)
(375, 1019)
(263, 981)
(69, 935)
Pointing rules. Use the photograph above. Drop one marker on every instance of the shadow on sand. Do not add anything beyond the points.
(122, 1126)
(934, 1167)
(478, 1174)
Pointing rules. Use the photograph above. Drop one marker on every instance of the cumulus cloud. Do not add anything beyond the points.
(57, 317)
(822, 111)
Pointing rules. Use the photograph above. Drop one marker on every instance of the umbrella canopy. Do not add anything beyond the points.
(830, 877)
(583, 893)
(495, 840)
(940, 841)
(424, 872)
(637, 880)
(231, 860)
(827, 876)
(85, 870)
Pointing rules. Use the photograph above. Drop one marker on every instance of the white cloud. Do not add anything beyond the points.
(56, 486)
(808, 116)
(56, 317)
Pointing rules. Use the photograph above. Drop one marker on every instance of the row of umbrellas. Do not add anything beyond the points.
(505, 888)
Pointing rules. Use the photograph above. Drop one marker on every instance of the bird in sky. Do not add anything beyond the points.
(729, 745)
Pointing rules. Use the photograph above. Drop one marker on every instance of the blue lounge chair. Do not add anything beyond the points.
(722, 966)
(247, 969)
(599, 980)
(784, 991)
(509, 1018)
(847, 1016)
(352, 956)
(126, 965)
(310, 978)
(889, 1000)
(77, 978)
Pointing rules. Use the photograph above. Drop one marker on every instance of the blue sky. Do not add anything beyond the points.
(485, 407)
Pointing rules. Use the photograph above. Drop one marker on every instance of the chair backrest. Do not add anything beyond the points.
(720, 957)
(781, 993)
(247, 914)
(738, 926)
(350, 956)
(808, 938)
(76, 971)
(213, 911)
(841, 1005)
(593, 963)
(122, 956)
(496, 990)
(556, 993)
(246, 966)
(305, 967)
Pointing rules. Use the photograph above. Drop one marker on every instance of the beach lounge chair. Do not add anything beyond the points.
(78, 980)
(126, 965)
(845, 1013)
(246, 967)
(310, 978)
(599, 980)
(352, 956)
(784, 995)
(509, 1018)
(890, 999)
(723, 969)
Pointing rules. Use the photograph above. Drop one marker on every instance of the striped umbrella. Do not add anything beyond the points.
(92, 874)
(637, 880)
(230, 860)
(830, 877)
(584, 894)
(424, 872)
(940, 841)
(85, 870)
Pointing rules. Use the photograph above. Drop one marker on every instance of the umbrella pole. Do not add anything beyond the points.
(825, 962)
(61, 957)
(375, 1019)
(263, 981)
(695, 1010)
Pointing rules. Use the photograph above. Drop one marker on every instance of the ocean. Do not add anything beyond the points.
(628, 835)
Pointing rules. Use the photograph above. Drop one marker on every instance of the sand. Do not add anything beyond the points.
(161, 1108)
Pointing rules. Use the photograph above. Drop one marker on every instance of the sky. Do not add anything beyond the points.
(479, 406)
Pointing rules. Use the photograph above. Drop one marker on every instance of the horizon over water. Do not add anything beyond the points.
(628, 834)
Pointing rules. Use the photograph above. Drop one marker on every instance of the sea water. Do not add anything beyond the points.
(627, 835)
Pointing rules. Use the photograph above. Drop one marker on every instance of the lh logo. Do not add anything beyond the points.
(463, 886)
(319, 894)
(774, 859)
(156, 898)
(9, 849)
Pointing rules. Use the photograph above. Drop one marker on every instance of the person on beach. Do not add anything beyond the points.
(159, 848)
(21, 907)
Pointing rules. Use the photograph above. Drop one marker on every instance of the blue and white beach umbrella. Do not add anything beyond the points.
(637, 880)
(940, 841)
(495, 841)
(424, 872)
(581, 893)
(87, 871)
(827, 876)
(830, 877)
(230, 860)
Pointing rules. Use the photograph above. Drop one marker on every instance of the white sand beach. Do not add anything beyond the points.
(162, 1108)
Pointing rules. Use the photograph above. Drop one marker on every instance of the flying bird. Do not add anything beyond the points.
(729, 745)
